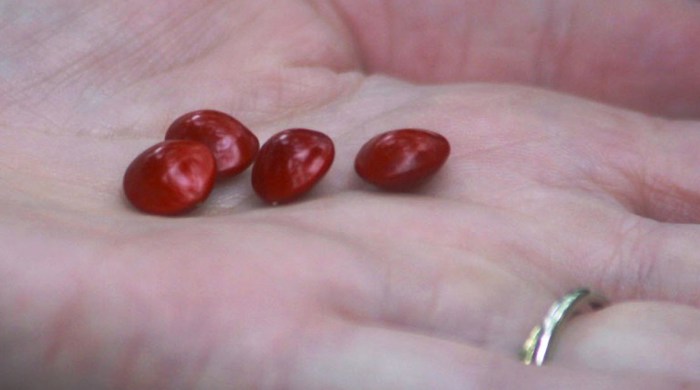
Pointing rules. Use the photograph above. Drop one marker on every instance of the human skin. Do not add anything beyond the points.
(575, 140)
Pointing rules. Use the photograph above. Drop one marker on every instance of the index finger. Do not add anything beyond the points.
(640, 54)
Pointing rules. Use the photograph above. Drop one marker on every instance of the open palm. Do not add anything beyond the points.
(353, 288)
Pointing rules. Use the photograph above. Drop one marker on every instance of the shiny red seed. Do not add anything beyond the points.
(170, 178)
(402, 159)
(290, 163)
(233, 145)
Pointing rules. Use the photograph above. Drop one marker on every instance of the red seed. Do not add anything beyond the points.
(170, 178)
(290, 163)
(402, 159)
(233, 145)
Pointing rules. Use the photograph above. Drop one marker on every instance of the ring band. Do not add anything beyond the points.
(541, 340)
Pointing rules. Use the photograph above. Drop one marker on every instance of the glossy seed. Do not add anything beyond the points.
(234, 146)
(171, 177)
(290, 163)
(401, 160)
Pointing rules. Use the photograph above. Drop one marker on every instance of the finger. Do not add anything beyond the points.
(643, 163)
(671, 181)
(661, 261)
(647, 164)
(639, 54)
(660, 340)
(368, 357)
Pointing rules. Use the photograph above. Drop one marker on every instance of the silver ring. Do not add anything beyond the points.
(541, 340)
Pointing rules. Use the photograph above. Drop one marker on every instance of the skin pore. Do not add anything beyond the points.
(574, 139)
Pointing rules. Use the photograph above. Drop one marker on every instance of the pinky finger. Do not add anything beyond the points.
(363, 357)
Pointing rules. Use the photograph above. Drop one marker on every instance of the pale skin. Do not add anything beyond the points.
(575, 156)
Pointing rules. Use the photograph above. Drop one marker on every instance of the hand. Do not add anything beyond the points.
(352, 288)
